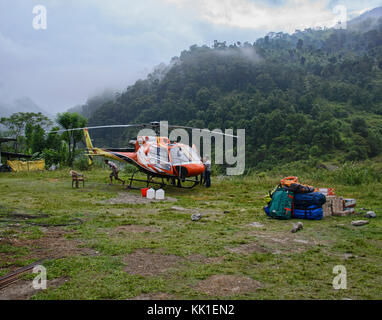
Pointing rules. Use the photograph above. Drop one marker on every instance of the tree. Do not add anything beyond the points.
(53, 141)
(380, 64)
(38, 140)
(17, 123)
(34, 138)
(300, 44)
(359, 126)
(70, 121)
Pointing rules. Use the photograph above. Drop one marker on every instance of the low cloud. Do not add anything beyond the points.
(288, 16)
(93, 44)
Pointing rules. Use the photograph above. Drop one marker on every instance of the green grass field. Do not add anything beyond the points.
(153, 250)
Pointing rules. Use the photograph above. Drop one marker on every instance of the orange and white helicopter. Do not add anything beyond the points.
(156, 156)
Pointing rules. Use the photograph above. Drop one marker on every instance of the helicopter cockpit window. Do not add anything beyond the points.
(159, 157)
(183, 155)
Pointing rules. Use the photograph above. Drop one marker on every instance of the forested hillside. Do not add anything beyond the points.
(316, 93)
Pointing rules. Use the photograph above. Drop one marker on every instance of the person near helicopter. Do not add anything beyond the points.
(114, 172)
(207, 171)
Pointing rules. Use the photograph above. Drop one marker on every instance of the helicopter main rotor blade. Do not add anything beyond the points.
(101, 127)
(143, 125)
(205, 130)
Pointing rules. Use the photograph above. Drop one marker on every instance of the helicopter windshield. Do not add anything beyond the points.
(183, 155)
(159, 154)
(159, 157)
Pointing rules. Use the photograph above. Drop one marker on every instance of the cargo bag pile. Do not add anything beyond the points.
(294, 200)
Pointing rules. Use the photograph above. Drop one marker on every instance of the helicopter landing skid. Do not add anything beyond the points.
(174, 182)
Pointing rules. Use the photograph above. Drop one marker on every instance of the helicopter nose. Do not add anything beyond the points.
(194, 169)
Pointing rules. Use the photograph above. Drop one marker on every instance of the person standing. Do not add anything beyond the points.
(114, 172)
(203, 174)
(207, 171)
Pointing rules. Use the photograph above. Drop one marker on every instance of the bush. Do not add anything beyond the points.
(348, 174)
(81, 163)
(353, 174)
(129, 169)
(51, 157)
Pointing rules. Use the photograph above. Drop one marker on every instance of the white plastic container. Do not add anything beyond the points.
(159, 194)
(150, 193)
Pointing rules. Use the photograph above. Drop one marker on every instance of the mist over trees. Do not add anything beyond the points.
(94, 102)
(312, 94)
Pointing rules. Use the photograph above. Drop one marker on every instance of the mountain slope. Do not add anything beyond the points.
(23, 104)
(366, 21)
(315, 94)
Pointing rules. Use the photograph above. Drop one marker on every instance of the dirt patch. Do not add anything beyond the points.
(52, 244)
(179, 208)
(203, 259)
(248, 248)
(154, 296)
(256, 225)
(135, 228)
(144, 263)
(284, 242)
(227, 285)
(132, 198)
(23, 289)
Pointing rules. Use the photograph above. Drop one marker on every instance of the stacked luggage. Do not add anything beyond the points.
(294, 200)
(309, 206)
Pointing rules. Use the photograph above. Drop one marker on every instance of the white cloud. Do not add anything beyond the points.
(93, 44)
(290, 15)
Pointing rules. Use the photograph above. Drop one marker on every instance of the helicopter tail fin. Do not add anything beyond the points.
(89, 145)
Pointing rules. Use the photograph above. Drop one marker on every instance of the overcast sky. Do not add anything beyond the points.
(90, 45)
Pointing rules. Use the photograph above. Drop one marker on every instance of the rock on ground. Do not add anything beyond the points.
(370, 214)
(196, 217)
(358, 223)
(296, 227)
(256, 225)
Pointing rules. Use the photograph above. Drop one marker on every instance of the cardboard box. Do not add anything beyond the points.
(333, 204)
(327, 207)
(338, 204)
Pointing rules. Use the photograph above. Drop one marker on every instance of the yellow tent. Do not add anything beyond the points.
(17, 165)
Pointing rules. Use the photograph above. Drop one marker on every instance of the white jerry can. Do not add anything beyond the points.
(159, 194)
(150, 193)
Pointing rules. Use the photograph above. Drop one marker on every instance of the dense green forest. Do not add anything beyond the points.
(315, 93)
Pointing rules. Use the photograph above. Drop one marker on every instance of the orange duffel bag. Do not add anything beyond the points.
(286, 182)
(292, 184)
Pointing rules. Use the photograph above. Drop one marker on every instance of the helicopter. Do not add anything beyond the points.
(174, 163)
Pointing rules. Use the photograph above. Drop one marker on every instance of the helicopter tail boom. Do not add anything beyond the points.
(92, 151)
